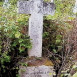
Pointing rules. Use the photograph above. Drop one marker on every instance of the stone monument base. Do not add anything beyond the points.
(36, 67)
(36, 71)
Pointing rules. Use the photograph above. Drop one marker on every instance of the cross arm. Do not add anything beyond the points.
(23, 7)
(26, 7)
(48, 8)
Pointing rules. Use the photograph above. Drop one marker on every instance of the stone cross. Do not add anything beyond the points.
(37, 9)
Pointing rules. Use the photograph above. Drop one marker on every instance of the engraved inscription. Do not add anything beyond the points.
(40, 71)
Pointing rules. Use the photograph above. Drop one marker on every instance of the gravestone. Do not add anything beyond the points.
(37, 9)
(36, 71)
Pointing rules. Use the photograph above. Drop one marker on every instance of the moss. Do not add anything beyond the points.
(34, 61)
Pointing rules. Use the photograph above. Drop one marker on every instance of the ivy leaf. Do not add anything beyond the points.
(58, 41)
(54, 50)
(75, 75)
(17, 35)
(20, 40)
(74, 66)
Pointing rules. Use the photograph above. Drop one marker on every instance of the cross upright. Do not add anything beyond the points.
(37, 9)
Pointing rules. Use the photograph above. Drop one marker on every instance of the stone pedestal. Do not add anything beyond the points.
(36, 71)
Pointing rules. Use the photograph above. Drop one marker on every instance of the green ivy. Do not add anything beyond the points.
(12, 40)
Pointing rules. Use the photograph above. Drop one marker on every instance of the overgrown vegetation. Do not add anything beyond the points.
(14, 40)
(58, 38)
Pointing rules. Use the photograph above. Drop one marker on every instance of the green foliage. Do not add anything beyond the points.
(54, 32)
(12, 41)
(47, 0)
(64, 10)
(5, 57)
(17, 75)
(24, 64)
(75, 75)
(22, 43)
(58, 26)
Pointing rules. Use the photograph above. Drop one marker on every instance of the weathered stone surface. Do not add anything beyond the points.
(36, 29)
(37, 8)
(27, 7)
(24, 7)
(40, 71)
(35, 33)
(48, 8)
